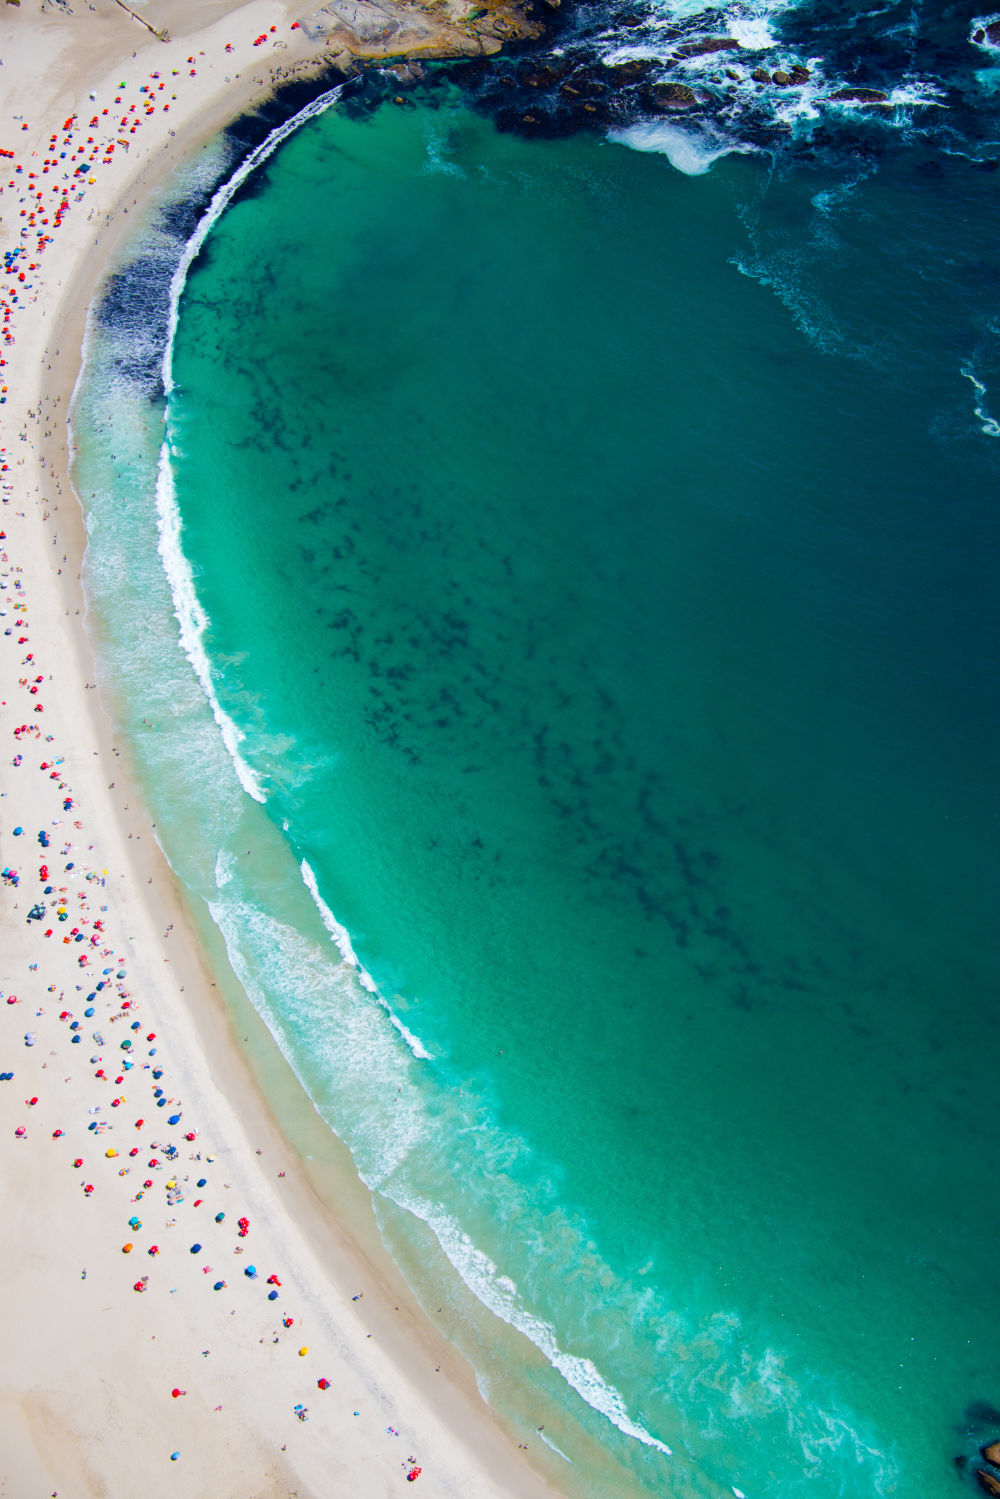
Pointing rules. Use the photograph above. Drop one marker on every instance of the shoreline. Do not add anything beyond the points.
(86, 1378)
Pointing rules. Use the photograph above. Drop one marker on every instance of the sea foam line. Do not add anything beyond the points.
(499, 1294)
(988, 425)
(191, 616)
(580, 1374)
(342, 939)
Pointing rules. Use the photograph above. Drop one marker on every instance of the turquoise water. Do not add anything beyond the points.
(597, 567)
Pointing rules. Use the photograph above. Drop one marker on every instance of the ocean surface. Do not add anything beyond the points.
(548, 579)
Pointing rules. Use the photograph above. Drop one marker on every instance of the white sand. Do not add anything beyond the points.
(88, 1363)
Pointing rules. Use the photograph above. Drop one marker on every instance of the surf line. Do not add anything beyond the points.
(191, 616)
(988, 425)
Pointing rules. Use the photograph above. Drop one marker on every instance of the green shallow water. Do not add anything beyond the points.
(611, 638)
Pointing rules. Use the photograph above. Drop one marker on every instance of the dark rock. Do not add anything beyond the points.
(993, 33)
(799, 74)
(583, 83)
(760, 75)
(628, 72)
(733, 74)
(543, 78)
(991, 1452)
(988, 1482)
(710, 44)
(781, 78)
(860, 95)
(667, 97)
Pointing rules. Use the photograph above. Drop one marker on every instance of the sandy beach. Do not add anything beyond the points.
(183, 1314)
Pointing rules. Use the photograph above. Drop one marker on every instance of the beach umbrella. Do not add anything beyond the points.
(174, 1119)
(323, 1384)
(303, 1352)
(134, 1223)
(126, 1249)
(272, 1295)
(250, 1272)
(219, 1217)
(196, 1249)
(220, 1285)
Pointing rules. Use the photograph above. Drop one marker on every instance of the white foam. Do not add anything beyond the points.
(499, 1294)
(690, 153)
(191, 616)
(437, 158)
(342, 938)
(557, 1450)
(988, 425)
(641, 52)
(981, 23)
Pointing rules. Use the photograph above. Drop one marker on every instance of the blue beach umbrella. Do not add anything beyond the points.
(196, 1249)
(174, 1119)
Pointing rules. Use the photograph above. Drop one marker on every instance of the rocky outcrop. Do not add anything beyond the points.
(708, 45)
(988, 1482)
(859, 95)
(992, 1453)
(668, 98)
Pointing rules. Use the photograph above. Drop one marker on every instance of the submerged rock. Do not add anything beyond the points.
(988, 1482)
(991, 1452)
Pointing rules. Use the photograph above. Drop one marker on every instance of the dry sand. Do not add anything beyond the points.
(97, 1342)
